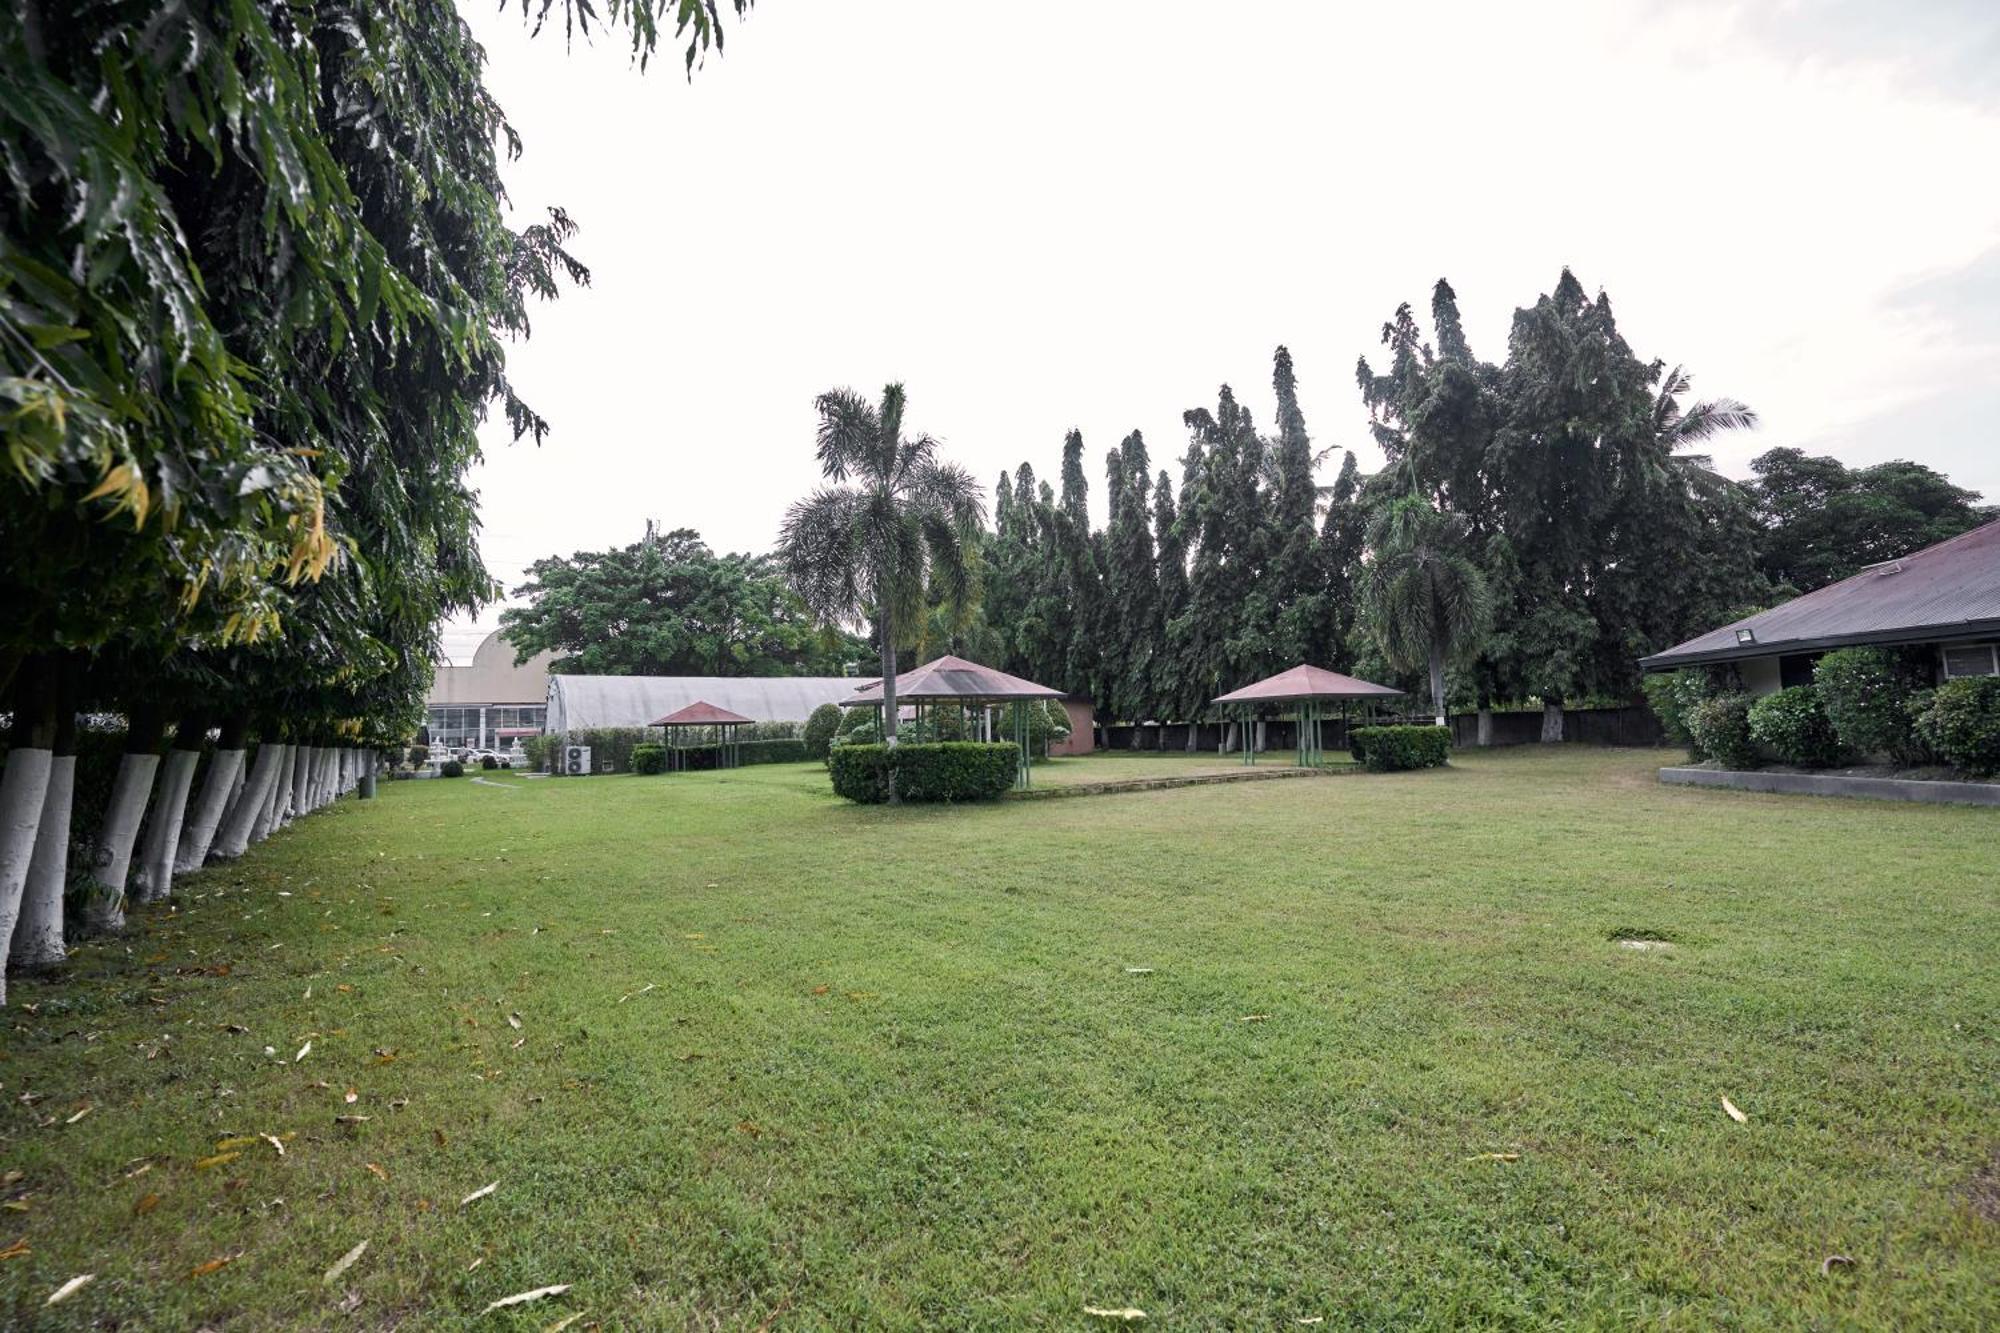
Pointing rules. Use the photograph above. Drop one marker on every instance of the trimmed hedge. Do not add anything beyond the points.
(1795, 726)
(451, 768)
(1867, 694)
(650, 757)
(1393, 749)
(1721, 730)
(947, 771)
(1671, 695)
(1961, 722)
(820, 727)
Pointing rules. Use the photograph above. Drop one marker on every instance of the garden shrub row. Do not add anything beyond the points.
(1959, 721)
(1795, 726)
(649, 757)
(1392, 749)
(945, 771)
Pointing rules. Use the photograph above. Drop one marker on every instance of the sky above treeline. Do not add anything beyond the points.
(1092, 216)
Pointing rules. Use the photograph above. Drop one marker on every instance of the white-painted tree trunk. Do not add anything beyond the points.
(1552, 723)
(104, 907)
(38, 931)
(22, 789)
(236, 787)
(276, 795)
(153, 880)
(1485, 738)
(330, 788)
(241, 824)
(225, 771)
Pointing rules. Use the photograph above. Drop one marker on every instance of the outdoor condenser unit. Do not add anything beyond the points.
(576, 760)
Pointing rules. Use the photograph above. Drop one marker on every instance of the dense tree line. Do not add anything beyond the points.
(255, 285)
(1545, 521)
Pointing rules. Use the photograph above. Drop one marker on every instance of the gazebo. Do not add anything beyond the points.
(954, 680)
(701, 713)
(1308, 687)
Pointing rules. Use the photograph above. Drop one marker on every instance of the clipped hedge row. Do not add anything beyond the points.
(1721, 730)
(1960, 722)
(1392, 749)
(1795, 725)
(649, 757)
(946, 771)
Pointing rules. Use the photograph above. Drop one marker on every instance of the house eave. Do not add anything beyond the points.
(1738, 652)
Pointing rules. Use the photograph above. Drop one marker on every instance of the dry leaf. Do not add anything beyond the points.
(563, 1323)
(1310, 1319)
(641, 991)
(519, 1043)
(475, 1263)
(1734, 1114)
(438, 1134)
(15, 1205)
(69, 1288)
(1253, 1018)
(1138, 971)
(275, 1142)
(79, 1115)
(236, 1028)
(350, 1120)
(750, 1127)
(16, 1250)
(524, 1297)
(146, 1205)
(343, 988)
(514, 1021)
(479, 1193)
(220, 1159)
(1495, 1157)
(1130, 1314)
(376, 1167)
(304, 1051)
(1826, 1265)
(351, 1097)
(203, 1270)
(345, 1262)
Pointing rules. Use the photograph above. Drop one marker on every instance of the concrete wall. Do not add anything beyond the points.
(1082, 738)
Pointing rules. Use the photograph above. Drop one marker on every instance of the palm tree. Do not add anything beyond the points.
(1425, 601)
(882, 545)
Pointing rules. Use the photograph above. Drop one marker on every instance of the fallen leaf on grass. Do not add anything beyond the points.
(16, 1250)
(641, 991)
(146, 1205)
(235, 1141)
(524, 1297)
(376, 1167)
(520, 1043)
(1734, 1114)
(750, 1127)
(350, 1120)
(15, 1205)
(1310, 1319)
(1253, 1018)
(475, 1263)
(345, 1262)
(275, 1142)
(350, 1096)
(304, 1051)
(235, 1028)
(563, 1323)
(70, 1288)
(220, 1159)
(1826, 1265)
(1129, 1314)
(1138, 971)
(479, 1193)
(1495, 1157)
(213, 1265)
(79, 1115)
(514, 1021)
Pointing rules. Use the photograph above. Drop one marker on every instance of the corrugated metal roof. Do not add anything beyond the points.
(700, 713)
(1306, 682)
(955, 678)
(580, 702)
(1947, 591)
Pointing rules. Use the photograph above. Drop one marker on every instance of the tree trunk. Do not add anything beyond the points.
(38, 931)
(365, 785)
(1552, 721)
(1437, 682)
(104, 906)
(225, 772)
(154, 876)
(277, 793)
(1485, 726)
(23, 788)
(889, 692)
(241, 824)
(301, 788)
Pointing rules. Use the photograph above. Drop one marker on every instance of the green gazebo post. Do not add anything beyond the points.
(728, 729)
(1306, 687)
(960, 682)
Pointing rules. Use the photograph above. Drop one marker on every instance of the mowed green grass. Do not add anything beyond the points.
(788, 1063)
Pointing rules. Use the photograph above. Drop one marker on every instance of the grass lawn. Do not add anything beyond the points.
(785, 1063)
(1119, 766)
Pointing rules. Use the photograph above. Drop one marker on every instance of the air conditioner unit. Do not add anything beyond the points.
(576, 760)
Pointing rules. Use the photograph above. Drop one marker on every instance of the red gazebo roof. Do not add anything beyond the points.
(700, 713)
(955, 679)
(1306, 682)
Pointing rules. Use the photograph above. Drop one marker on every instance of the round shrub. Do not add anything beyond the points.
(488, 762)
(820, 729)
(451, 768)
(1961, 724)
(649, 758)
(1866, 693)
(1795, 726)
(1720, 728)
(1670, 694)
(1394, 749)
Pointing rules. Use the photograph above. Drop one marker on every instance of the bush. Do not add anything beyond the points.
(1670, 694)
(949, 771)
(488, 762)
(451, 768)
(1393, 749)
(1795, 726)
(1867, 693)
(537, 750)
(1960, 722)
(1721, 730)
(650, 757)
(780, 750)
(820, 728)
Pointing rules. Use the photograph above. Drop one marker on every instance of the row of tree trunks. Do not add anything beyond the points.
(155, 826)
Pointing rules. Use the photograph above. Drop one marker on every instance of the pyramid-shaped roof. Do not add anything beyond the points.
(1306, 682)
(700, 713)
(954, 678)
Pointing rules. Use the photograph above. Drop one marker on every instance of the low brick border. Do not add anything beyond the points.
(1162, 783)
(1828, 784)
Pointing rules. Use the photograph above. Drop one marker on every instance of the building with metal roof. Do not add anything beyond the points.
(1945, 597)
(580, 703)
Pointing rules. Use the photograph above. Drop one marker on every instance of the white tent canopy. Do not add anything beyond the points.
(578, 703)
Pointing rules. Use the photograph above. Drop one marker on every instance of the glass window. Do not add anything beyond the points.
(1969, 659)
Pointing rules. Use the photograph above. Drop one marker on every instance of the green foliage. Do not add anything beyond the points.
(1825, 521)
(1795, 726)
(668, 606)
(947, 771)
(649, 757)
(780, 750)
(1393, 749)
(1867, 693)
(451, 768)
(612, 744)
(1670, 694)
(820, 729)
(537, 750)
(1426, 603)
(1960, 722)
(1720, 726)
(488, 762)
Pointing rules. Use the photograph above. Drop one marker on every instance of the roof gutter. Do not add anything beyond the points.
(1735, 652)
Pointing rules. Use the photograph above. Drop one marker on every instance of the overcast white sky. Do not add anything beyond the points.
(1093, 214)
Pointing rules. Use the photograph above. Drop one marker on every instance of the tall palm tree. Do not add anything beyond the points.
(1425, 601)
(881, 545)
